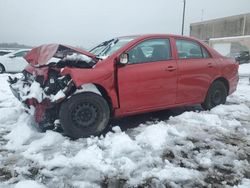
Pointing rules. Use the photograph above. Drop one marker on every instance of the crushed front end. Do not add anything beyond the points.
(42, 87)
(40, 97)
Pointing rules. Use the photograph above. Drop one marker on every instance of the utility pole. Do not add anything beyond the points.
(183, 17)
(202, 14)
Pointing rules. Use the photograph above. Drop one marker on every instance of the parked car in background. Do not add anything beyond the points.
(243, 57)
(14, 61)
(4, 52)
(121, 77)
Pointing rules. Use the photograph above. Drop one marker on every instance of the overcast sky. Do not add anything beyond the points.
(87, 22)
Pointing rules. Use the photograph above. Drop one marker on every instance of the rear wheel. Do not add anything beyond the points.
(84, 114)
(216, 95)
(2, 69)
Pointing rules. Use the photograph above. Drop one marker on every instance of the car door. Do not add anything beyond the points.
(149, 80)
(196, 70)
(17, 62)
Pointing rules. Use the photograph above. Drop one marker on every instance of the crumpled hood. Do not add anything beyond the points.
(42, 54)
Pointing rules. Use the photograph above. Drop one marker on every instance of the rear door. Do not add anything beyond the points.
(196, 68)
(149, 80)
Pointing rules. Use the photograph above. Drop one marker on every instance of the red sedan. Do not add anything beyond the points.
(120, 77)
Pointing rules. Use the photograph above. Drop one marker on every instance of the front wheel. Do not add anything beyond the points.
(84, 114)
(216, 95)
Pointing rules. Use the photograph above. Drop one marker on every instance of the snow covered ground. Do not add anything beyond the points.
(193, 149)
(244, 69)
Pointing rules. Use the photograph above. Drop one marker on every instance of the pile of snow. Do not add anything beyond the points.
(194, 149)
(244, 69)
(29, 184)
(78, 57)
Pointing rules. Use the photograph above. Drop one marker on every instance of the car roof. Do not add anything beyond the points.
(158, 35)
(145, 36)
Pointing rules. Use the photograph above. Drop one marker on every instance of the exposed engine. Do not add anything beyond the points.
(55, 82)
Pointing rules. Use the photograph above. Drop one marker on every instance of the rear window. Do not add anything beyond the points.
(190, 50)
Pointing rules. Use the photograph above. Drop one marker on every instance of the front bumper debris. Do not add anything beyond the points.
(15, 93)
(33, 96)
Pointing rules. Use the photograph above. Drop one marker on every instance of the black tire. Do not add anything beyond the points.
(84, 114)
(2, 69)
(216, 95)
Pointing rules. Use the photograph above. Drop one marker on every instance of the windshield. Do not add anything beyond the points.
(107, 48)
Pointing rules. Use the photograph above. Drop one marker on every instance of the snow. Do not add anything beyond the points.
(59, 95)
(78, 57)
(193, 149)
(244, 69)
(34, 90)
(245, 184)
(29, 184)
(17, 139)
(157, 136)
(29, 91)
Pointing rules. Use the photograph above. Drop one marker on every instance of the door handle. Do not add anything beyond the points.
(210, 65)
(170, 68)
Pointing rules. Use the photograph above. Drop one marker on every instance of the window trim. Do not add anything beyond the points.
(208, 53)
(23, 52)
(147, 39)
(196, 42)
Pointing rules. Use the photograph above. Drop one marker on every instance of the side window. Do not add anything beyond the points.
(205, 53)
(150, 51)
(21, 54)
(189, 50)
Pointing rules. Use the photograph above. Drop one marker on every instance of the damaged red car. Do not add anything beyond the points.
(82, 90)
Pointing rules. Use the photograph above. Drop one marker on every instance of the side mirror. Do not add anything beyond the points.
(123, 59)
(12, 56)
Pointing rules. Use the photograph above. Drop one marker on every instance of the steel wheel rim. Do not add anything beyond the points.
(217, 97)
(84, 115)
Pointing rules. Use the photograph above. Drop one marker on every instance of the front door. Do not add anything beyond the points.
(149, 80)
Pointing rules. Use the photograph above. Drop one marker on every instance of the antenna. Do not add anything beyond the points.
(183, 17)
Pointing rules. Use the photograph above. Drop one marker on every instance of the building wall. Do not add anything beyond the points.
(231, 46)
(224, 27)
(247, 29)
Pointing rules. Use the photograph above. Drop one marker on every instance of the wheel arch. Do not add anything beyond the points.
(98, 89)
(207, 104)
(106, 96)
(224, 81)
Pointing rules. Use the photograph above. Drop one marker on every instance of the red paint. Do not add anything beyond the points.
(137, 88)
(42, 54)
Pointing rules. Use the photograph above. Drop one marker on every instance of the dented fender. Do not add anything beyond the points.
(87, 88)
(97, 76)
